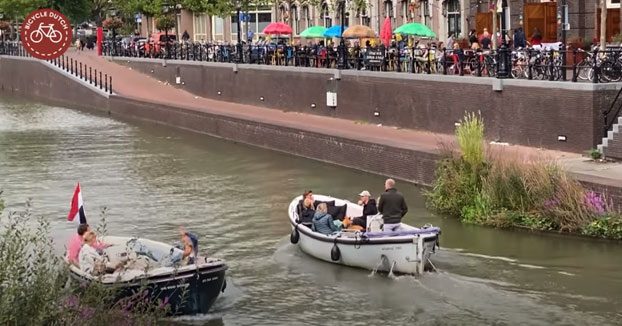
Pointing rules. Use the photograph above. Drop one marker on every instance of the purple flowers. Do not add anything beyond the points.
(595, 202)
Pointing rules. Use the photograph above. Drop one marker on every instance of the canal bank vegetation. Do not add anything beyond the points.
(493, 188)
(35, 287)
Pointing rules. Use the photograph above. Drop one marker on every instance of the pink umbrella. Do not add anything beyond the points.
(386, 33)
(277, 28)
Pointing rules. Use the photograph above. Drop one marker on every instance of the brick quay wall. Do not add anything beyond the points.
(531, 113)
(30, 79)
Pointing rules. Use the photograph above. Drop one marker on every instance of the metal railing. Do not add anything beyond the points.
(597, 66)
(88, 74)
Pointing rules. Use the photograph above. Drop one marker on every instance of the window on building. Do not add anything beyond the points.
(234, 23)
(293, 14)
(325, 16)
(388, 8)
(361, 13)
(453, 17)
(426, 13)
(219, 24)
(263, 20)
(200, 27)
(306, 17)
(404, 10)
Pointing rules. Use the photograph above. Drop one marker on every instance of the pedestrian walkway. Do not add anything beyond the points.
(135, 85)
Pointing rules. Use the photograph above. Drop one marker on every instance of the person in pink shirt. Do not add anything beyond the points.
(76, 242)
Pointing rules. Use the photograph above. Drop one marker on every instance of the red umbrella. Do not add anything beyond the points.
(386, 33)
(277, 28)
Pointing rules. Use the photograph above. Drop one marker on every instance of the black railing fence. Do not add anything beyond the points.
(597, 66)
(71, 66)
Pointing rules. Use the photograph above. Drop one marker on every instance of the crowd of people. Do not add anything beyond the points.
(326, 218)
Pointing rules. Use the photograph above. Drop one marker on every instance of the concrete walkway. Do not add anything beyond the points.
(132, 84)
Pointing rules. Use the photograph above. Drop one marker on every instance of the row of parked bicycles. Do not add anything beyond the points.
(592, 65)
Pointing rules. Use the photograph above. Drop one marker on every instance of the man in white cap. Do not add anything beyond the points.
(369, 208)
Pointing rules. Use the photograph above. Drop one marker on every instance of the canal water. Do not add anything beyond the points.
(155, 179)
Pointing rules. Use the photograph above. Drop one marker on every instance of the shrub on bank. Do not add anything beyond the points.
(35, 287)
(487, 188)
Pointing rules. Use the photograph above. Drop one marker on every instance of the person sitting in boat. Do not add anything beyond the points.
(322, 221)
(191, 247)
(307, 212)
(308, 194)
(75, 244)
(392, 206)
(369, 209)
(90, 260)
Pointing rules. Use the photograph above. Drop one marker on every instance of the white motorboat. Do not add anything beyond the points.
(152, 265)
(406, 251)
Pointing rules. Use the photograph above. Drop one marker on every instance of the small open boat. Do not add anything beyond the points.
(406, 251)
(189, 289)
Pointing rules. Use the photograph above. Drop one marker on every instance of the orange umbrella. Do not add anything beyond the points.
(359, 31)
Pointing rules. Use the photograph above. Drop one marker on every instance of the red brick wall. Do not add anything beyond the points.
(533, 116)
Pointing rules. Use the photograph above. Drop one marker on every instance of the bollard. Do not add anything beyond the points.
(110, 85)
(106, 82)
(71, 64)
(100, 80)
(461, 62)
(90, 75)
(80, 70)
(95, 77)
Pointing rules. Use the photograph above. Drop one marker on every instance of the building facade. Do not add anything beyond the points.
(444, 17)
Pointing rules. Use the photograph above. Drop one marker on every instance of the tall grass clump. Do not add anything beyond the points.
(35, 286)
(493, 188)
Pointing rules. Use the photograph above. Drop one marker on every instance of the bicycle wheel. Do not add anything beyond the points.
(56, 36)
(584, 69)
(36, 36)
(610, 72)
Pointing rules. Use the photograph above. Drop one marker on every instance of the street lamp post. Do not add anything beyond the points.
(343, 63)
(564, 29)
(165, 10)
(238, 8)
(503, 66)
(113, 14)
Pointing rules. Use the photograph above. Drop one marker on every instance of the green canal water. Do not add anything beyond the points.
(154, 180)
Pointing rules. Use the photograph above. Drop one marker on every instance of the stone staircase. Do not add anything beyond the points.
(611, 146)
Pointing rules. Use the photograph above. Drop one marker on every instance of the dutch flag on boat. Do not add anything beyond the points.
(76, 206)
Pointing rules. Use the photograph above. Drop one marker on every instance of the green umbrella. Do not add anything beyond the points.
(313, 32)
(415, 29)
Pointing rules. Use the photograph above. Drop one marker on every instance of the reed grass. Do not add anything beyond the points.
(496, 188)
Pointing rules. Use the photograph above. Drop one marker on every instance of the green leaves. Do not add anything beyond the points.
(19, 9)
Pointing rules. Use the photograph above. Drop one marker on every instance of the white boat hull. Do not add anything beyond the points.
(400, 254)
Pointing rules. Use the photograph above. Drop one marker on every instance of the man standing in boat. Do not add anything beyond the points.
(392, 206)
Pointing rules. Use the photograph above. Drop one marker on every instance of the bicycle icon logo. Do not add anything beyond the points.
(48, 31)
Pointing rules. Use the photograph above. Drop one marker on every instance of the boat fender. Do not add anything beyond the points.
(295, 235)
(335, 253)
(224, 286)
